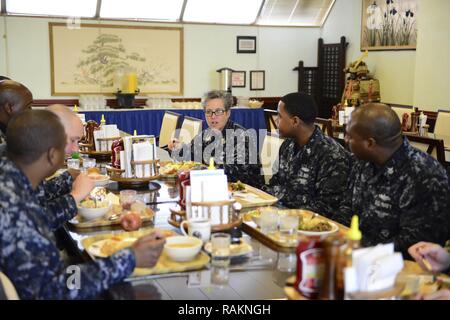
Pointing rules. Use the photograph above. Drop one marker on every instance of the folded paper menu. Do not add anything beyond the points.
(143, 151)
(373, 268)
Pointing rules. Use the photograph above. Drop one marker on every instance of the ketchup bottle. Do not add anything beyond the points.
(310, 266)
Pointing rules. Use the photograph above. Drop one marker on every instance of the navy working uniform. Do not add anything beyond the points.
(28, 255)
(312, 177)
(404, 201)
(230, 149)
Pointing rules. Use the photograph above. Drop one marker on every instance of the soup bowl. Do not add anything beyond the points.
(182, 248)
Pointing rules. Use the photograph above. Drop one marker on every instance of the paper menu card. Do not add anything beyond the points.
(143, 151)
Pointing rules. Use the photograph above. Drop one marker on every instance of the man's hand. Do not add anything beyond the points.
(437, 256)
(147, 250)
(81, 187)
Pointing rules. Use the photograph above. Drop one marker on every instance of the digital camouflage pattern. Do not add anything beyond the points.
(28, 254)
(312, 177)
(405, 201)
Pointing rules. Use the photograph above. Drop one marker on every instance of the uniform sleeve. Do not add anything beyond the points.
(275, 184)
(57, 186)
(425, 213)
(330, 185)
(34, 266)
(54, 196)
(346, 208)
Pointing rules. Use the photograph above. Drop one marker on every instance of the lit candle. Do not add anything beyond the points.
(132, 82)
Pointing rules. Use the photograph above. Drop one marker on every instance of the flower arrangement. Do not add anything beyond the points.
(389, 23)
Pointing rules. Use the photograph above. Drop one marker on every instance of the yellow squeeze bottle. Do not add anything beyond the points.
(211, 164)
(75, 108)
(135, 133)
(103, 121)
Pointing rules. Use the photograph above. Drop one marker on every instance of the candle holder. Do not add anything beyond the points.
(126, 100)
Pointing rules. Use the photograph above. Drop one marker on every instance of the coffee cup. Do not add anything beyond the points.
(197, 228)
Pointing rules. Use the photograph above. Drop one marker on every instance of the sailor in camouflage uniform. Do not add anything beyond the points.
(232, 146)
(313, 169)
(400, 194)
(28, 255)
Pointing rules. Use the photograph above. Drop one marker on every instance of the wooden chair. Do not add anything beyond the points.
(326, 125)
(189, 129)
(168, 128)
(7, 290)
(271, 120)
(269, 154)
(401, 110)
(442, 125)
(434, 147)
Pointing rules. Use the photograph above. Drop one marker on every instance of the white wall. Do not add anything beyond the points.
(406, 77)
(433, 56)
(394, 69)
(206, 49)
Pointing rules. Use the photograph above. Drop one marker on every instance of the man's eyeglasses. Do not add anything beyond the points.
(218, 112)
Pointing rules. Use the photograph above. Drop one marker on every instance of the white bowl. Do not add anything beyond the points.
(182, 248)
(334, 229)
(93, 213)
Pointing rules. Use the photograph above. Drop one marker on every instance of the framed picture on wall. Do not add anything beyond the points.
(238, 79)
(246, 44)
(96, 59)
(389, 25)
(257, 80)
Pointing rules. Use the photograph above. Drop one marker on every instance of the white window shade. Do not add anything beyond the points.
(295, 12)
(67, 8)
(161, 10)
(222, 11)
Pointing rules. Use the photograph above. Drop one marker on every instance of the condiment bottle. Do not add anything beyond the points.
(310, 266)
(329, 289)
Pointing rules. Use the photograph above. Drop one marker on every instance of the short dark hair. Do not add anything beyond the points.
(302, 105)
(4, 78)
(219, 94)
(32, 133)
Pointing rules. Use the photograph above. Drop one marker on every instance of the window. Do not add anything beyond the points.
(65, 8)
(162, 10)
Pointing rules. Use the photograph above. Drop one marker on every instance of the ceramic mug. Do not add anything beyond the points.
(197, 228)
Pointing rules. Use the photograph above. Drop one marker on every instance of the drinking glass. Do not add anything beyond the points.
(220, 252)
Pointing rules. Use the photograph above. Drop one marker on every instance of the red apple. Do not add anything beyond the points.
(131, 221)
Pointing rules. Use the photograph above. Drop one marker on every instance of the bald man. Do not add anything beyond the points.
(399, 193)
(14, 99)
(28, 255)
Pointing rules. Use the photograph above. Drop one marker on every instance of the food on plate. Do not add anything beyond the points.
(93, 171)
(114, 244)
(248, 216)
(131, 221)
(172, 168)
(91, 203)
(237, 186)
(316, 225)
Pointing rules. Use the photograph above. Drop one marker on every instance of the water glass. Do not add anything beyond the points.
(88, 163)
(287, 262)
(220, 251)
(269, 221)
(220, 275)
(127, 198)
(288, 228)
(73, 164)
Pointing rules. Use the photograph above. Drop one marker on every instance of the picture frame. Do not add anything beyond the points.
(389, 25)
(78, 66)
(246, 44)
(257, 79)
(238, 79)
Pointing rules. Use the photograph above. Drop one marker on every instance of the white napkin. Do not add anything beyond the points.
(142, 151)
(376, 267)
(210, 185)
(127, 147)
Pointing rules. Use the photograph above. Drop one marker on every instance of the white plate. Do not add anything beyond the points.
(236, 250)
(95, 248)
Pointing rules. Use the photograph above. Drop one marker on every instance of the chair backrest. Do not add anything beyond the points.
(401, 110)
(326, 125)
(271, 120)
(434, 147)
(189, 129)
(442, 125)
(168, 127)
(269, 154)
(7, 290)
